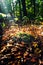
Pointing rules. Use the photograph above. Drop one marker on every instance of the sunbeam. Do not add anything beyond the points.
(3, 6)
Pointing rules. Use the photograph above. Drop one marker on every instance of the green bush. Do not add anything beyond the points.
(1, 16)
(37, 22)
(27, 38)
(39, 18)
(2, 21)
(25, 20)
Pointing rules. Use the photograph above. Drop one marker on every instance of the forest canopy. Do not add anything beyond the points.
(32, 9)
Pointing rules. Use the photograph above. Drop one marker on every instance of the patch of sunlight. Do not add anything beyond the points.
(3, 24)
(14, 0)
(15, 19)
(3, 15)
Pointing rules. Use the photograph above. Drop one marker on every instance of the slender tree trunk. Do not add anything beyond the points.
(16, 9)
(24, 8)
(34, 8)
(20, 9)
(1, 31)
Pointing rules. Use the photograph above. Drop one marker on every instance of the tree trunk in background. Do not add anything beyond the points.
(41, 11)
(20, 10)
(1, 30)
(34, 8)
(16, 9)
(33, 4)
(24, 8)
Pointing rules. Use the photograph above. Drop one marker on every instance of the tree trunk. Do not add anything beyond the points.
(20, 9)
(1, 31)
(24, 8)
(34, 8)
(33, 3)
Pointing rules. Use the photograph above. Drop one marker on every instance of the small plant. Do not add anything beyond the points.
(38, 20)
(27, 38)
(25, 20)
(1, 18)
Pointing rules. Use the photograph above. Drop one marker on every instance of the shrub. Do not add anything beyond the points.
(38, 18)
(25, 20)
(27, 38)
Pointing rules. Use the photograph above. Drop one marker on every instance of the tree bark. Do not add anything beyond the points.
(20, 10)
(24, 8)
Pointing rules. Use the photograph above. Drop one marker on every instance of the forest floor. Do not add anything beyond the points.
(35, 30)
(16, 52)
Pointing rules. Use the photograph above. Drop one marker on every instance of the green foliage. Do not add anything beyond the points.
(27, 38)
(15, 19)
(25, 20)
(1, 16)
(37, 22)
(39, 18)
(2, 21)
(33, 9)
(3, 25)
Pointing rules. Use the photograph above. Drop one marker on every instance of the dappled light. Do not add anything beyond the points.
(21, 32)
